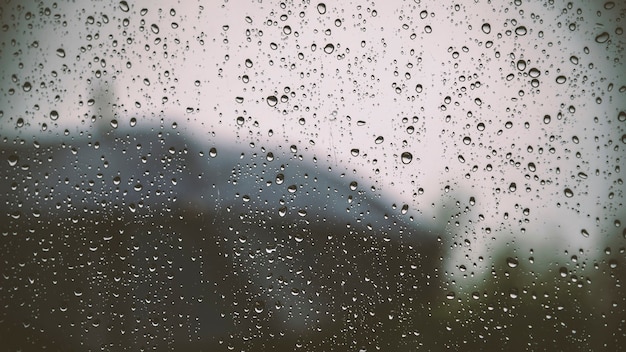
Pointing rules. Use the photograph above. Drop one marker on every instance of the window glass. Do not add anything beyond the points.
(297, 175)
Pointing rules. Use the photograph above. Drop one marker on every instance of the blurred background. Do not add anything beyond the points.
(247, 175)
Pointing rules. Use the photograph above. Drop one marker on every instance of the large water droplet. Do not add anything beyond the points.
(329, 48)
(272, 100)
(521, 30)
(486, 27)
(602, 37)
(154, 28)
(321, 8)
(54, 115)
(60, 52)
(568, 193)
(512, 262)
(406, 157)
(13, 159)
(124, 6)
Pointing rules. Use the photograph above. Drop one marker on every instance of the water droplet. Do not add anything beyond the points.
(280, 178)
(602, 37)
(60, 52)
(272, 100)
(13, 159)
(486, 27)
(114, 123)
(467, 140)
(240, 120)
(259, 306)
(512, 187)
(213, 152)
(154, 28)
(584, 232)
(27, 87)
(54, 115)
(353, 185)
(133, 122)
(521, 30)
(354, 152)
(321, 8)
(512, 262)
(534, 73)
(568, 193)
(379, 139)
(406, 157)
(248, 63)
(124, 6)
(532, 167)
(561, 79)
(329, 48)
(521, 65)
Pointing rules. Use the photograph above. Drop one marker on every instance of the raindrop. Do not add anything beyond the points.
(154, 28)
(60, 52)
(602, 37)
(512, 262)
(521, 30)
(379, 139)
(13, 159)
(521, 65)
(353, 185)
(329, 48)
(27, 87)
(546, 119)
(272, 100)
(354, 152)
(486, 28)
(568, 193)
(561, 79)
(584, 232)
(248, 63)
(512, 187)
(534, 73)
(54, 115)
(406, 157)
(213, 152)
(133, 122)
(532, 167)
(467, 140)
(114, 123)
(573, 59)
(321, 8)
(124, 6)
